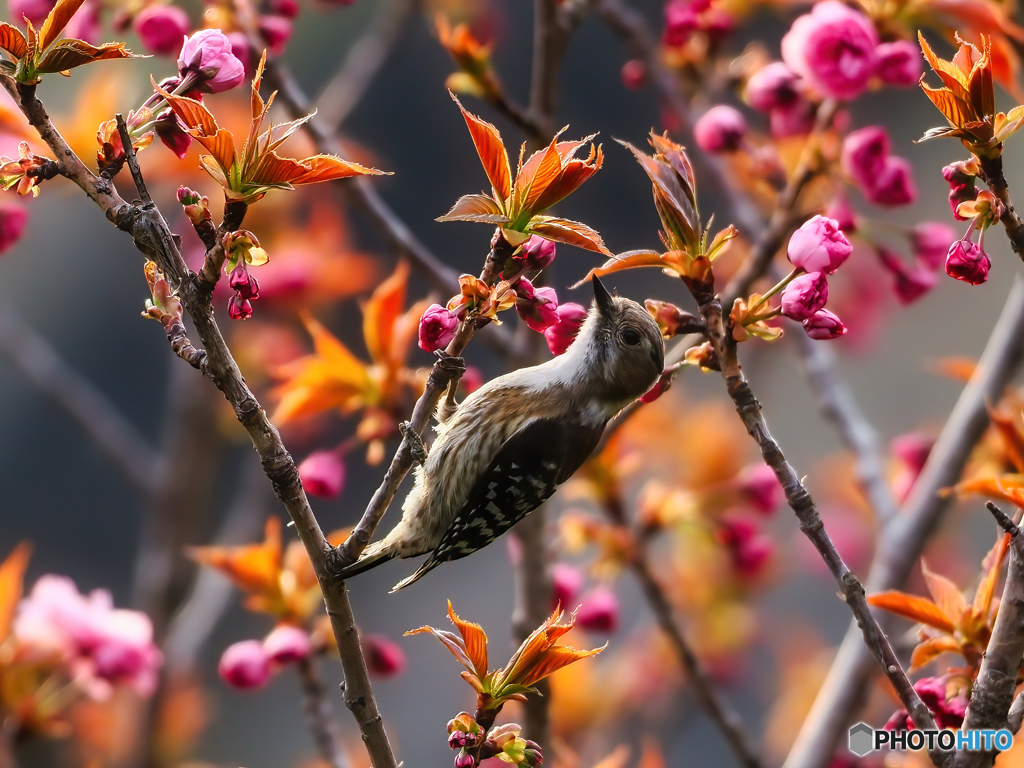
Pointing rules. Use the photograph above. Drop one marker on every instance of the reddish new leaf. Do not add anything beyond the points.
(491, 151)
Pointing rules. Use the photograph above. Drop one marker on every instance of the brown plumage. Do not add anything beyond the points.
(511, 443)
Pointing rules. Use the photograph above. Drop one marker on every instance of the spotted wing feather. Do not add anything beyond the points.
(526, 470)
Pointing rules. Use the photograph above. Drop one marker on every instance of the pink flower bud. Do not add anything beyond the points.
(245, 665)
(864, 154)
(538, 307)
(661, 386)
(13, 219)
(912, 451)
(899, 63)
(287, 8)
(910, 284)
(846, 218)
(207, 56)
(172, 133)
(634, 74)
(244, 283)
(437, 328)
(599, 611)
(760, 487)
(805, 296)
(322, 474)
(720, 129)
(930, 241)
(824, 325)
(566, 582)
(276, 31)
(681, 21)
(819, 245)
(161, 28)
(384, 657)
(773, 86)
(239, 308)
(967, 262)
(287, 644)
(561, 335)
(537, 253)
(894, 185)
(833, 49)
(243, 50)
(752, 555)
(464, 760)
(794, 119)
(33, 10)
(961, 186)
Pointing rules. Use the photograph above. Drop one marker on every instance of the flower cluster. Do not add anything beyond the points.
(883, 178)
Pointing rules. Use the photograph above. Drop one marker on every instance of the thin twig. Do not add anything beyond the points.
(320, 715)
(133, 161)
(31, 354)
(839, 406)
(1004, 520)
(154, 239)
(363, 62)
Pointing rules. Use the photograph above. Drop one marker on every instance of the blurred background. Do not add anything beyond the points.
(77, 283)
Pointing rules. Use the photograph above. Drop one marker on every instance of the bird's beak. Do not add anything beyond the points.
(605, 304)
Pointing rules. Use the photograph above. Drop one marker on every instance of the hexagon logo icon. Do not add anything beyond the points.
(862, 738)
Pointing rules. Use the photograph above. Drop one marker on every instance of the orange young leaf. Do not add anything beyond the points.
(13, 41)
(12, 574)
(491, 150)
(381, 312)
(568, 232)
(624, 261)
(1013, 440)
(202, 126)
(986, 589)
(931, 648)
(475, 208)
(71, 53)
(919, 609)
(56, 21)
(945, 593)
(474, 640)
(254, 568)
(956, 368)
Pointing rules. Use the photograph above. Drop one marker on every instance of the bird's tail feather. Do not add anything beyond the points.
(374, 555)
(428, 565)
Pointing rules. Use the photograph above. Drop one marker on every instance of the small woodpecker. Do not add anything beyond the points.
(509, 445)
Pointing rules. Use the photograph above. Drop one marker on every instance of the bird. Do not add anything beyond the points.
(508, 446)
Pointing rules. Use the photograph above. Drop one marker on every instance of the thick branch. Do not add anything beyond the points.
(129, 450)
(154, 239)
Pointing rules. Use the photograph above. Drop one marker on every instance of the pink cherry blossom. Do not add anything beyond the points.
(245, 665)
(207, 56)
(634, 74)
(276, 31)
(561, 335)
(437, 328)
(720, 129)
(322, 474)
(599, 611)
(833, 49)
(967, 262)
(161, 28)
(894, 185)
(930, 241)
(538, 307)
(824, 325)
(864, 154)
(819, 246)
(171, 132)
(949, 713)
(794, 119)
(33, 10)
(384, 657)
(759, 486)
(566, 583)
(773, 86)
(13, 219)
(85, 24)
(804, 296)
(287, 644)
(899, 63)
(909, 283)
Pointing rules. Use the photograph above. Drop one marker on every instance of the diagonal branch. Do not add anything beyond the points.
(153, 238)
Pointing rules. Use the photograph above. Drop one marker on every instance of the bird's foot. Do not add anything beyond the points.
(416, 446)
(453, 366)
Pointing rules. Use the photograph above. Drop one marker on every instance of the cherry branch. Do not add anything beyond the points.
(320, 714)
(153, 238)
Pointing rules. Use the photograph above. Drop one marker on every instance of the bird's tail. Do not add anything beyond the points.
(428, 565)
(374, 555)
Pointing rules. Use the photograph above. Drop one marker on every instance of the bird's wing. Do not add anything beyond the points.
(525, 471)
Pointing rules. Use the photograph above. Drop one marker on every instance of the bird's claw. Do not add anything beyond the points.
(450, 364)
(416, 446)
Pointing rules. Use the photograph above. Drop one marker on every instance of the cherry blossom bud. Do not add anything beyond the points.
(538, 307)
(561, 335)
(805, 296)
(276, 31)
(13, 219)
(773, 86)
(839, 209)
(794, 119)
(239, 308)
(33, 10)
(634, 74)
(437, 328)
(819, 245)
(322, 474)
(245, 665)
(599, 611)
(833, 49)
(760, 487)
(464, 760)
(752, 555)
(899, 63)
(287, 8)
(566, 582)
(661, 386)
(243, 50)
(384, 657)
(243, 283)
(161, 28)
(894, 184)
(961, 186)
(930, 241)
(824, 325)
(207, 56)
(720, 129)
(967, 262)
(172, 133)
(681, 21)
(912, 451)
(537, 253)
(864, 153)
(287, 644)
(910, 284)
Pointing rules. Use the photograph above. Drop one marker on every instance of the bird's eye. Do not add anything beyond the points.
(631, 337)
